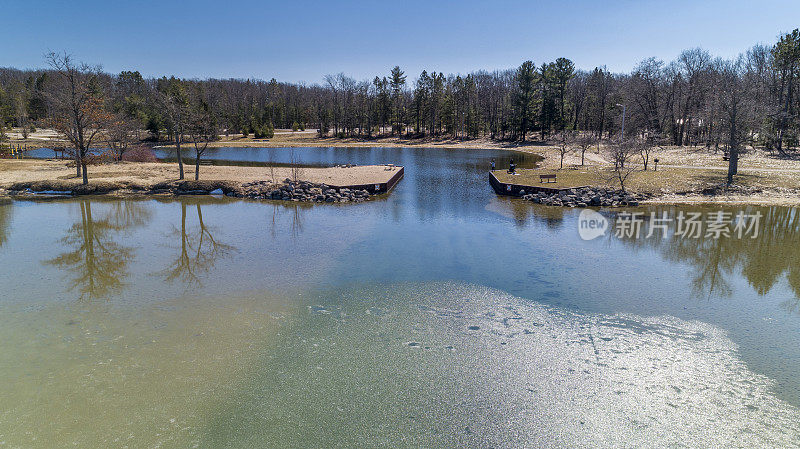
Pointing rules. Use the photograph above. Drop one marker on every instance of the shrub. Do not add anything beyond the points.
(264, 132)
(139, 154)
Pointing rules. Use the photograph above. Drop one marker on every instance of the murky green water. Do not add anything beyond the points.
(439, 316)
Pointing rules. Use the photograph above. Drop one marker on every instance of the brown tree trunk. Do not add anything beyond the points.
(733, 150)
(180, 157)
(782, 124)
(197, 168)
(733, 164)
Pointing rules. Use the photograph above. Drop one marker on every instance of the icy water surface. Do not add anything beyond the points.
(438, 316)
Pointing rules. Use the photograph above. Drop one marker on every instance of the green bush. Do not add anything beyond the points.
(264, 132)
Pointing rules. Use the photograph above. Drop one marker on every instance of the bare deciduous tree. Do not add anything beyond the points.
(565, 140)
(77, 104)
(202, 127)
(585, 142)
(171, 96)
(120, 135)
(644, 145)
(736, 108)
(620, 154)
(296, 170)
(272, 165)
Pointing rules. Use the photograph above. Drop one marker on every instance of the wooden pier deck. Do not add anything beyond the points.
(388, 180)
(512, 189)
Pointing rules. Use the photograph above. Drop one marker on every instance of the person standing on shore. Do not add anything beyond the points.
(492, 165)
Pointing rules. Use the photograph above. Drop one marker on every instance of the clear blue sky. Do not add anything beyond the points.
(303, 41)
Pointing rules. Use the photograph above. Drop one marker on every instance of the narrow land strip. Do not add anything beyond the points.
(683, 175)
(148, 177)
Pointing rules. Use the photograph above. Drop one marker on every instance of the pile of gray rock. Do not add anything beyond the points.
(315, 193)
(586, 197)
(287, 191)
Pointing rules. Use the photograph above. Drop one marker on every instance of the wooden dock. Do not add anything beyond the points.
(378, 187)
(502, 188)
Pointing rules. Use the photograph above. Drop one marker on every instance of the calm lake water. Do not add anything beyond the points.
(440, 315)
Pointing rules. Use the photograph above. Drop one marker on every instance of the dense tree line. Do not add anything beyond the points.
(694, 100)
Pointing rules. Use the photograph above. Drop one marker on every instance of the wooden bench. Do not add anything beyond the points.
(548, 178)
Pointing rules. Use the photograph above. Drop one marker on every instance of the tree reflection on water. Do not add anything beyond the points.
(97, 263)
(715, 262)
(762, 261)
(295, 211)
(198, 253)
(5, 220)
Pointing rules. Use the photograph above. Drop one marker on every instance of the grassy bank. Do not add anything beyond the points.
(674, 185)
(665, 180)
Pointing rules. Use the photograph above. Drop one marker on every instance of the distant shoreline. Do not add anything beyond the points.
(298, 141)
(685, 175)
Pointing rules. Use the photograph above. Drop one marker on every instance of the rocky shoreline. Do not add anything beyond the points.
(288, 190)
(586, 197)
(720, 194)
(318, 193)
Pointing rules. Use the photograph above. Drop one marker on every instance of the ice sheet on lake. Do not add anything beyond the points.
(446, 365)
